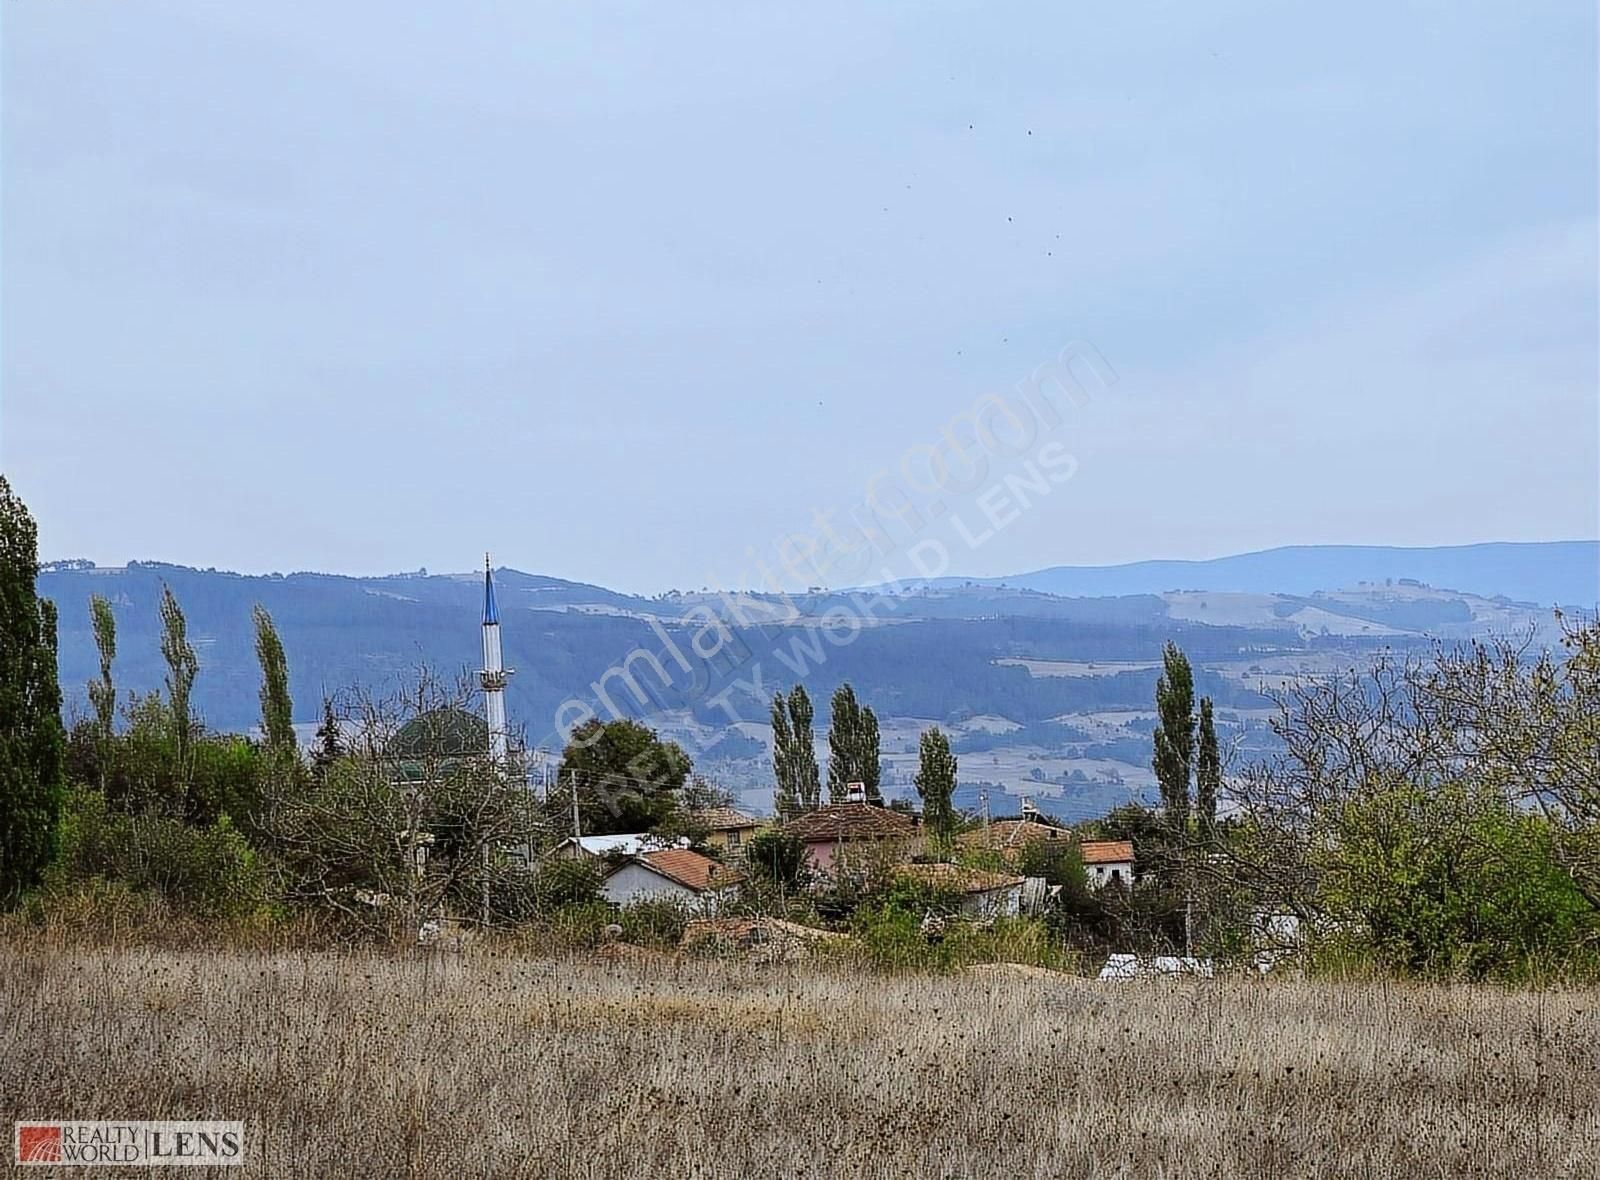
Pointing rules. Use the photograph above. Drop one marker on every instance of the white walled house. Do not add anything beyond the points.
(672, 874)
(1107, 862)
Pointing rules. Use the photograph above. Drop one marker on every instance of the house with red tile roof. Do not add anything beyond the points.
(1107, 861)
(672, 874)
(828, 831)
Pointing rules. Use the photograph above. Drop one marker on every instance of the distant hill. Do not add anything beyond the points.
(1044, 695)
(1543, 572)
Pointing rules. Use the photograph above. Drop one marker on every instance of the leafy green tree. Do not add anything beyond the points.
(1135, 823)
(103, 691)
(32, 741)
(1207, 772)
(869, 757)
(626, 778)
(786, 794)
(846, 718)
(277, 709)
(807, 777)
(1530, 723)
(936, 783)
(1436, 812)
(182, 668)
(853, 751)
(1174, 737)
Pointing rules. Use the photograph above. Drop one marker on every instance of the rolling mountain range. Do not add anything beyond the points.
(1045, 694)
(1544, 572)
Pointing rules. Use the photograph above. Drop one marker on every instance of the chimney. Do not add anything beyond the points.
(1029, 811)
(855, 792)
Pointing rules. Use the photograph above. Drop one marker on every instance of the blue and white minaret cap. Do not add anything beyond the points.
(491, 612)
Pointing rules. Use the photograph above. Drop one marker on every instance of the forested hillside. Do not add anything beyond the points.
(1044, 694)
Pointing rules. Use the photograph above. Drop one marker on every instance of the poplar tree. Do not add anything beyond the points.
(807, 776)
(32, 740)
(277, 709)
(869, 757)
(936, 784)
(786, 795)
(1174, 737)
(182, 668)
(1207, 772)
(103, 691)
(843, 743)
(853, 750)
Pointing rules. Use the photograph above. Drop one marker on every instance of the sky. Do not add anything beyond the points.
(637, 294)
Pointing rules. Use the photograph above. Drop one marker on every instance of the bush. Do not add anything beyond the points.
(560, 882)
(890, 938)
(209, 872)
(1450, 883)
(657, 923)
(777, 860)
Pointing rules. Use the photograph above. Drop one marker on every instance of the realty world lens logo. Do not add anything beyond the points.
(69, 1143)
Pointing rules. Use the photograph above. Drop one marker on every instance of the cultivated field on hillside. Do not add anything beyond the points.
(499, 1064)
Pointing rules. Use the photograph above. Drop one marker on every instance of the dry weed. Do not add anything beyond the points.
(498, 1064)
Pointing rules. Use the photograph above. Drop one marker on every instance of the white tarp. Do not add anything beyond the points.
(1120, 967)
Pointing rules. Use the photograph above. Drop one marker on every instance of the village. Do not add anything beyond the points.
(853, 843)
(818, 871)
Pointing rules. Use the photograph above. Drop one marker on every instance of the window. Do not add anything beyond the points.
(733, 838)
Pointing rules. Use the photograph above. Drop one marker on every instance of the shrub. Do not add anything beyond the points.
(210, 872)
(777, 860)
(655, 922)
(1450, 882)
(560, 882)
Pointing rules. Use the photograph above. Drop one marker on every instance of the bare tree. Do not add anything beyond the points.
(415, 820)
(1485, 717)
(1528, 723)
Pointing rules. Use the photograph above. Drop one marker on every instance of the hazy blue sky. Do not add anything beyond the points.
(626, 290)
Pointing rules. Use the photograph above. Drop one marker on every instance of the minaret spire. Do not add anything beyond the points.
(494, 674)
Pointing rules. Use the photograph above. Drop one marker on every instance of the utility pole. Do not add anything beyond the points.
(572, 781)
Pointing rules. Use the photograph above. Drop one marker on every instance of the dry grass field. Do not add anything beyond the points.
(503, 1065)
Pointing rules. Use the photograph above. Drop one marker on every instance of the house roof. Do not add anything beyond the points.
(618, 844)
(959, 878)
(1012, 833)
(851, 821)
(1106, 852)
(689, 869)
(725, 819)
